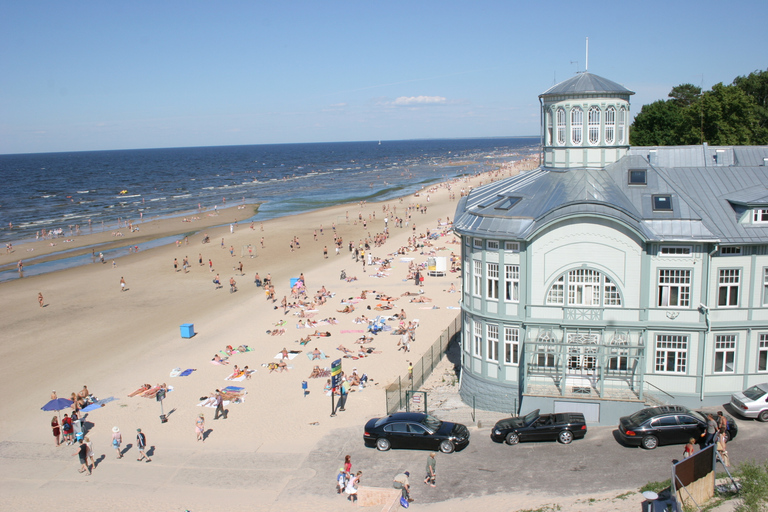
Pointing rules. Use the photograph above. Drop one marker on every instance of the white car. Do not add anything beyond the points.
(752, 402)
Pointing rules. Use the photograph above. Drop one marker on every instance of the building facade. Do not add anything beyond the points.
(612, 277)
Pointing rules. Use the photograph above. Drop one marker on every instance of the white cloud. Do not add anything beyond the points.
(407, 101)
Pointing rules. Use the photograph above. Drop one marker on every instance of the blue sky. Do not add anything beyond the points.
(91, 75)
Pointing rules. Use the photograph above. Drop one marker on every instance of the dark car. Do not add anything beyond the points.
(667, 424)
(562, 426)
(415, 430)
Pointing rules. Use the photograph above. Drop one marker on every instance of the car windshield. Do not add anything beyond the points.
(528, 418)
(431, 423)
(754, 393)
(698, 416)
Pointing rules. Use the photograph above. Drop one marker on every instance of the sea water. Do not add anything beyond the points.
(92, 189)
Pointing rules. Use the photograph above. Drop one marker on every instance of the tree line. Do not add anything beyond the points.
(727, 115)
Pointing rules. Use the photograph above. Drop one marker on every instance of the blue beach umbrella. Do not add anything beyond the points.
(57, 404)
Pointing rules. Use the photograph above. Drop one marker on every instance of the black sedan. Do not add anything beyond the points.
(667, 424)
(415, 430)
(563, 427)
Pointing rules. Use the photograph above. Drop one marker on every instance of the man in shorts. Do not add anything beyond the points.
(141, 444)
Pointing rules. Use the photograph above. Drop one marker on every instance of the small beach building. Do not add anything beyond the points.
(614, 277)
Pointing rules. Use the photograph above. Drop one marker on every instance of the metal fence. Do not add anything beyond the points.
(395, 392)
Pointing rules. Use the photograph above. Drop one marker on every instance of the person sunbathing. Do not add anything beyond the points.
(363, 339)
(304, 341)
(282, 366)
(361, 320)
(272, 367)
(321, 334)
(327, 386)
(140, 390)
(243, 348)
(219, 360)
(316, 354)
(235, 372)
(385, 298)
(229, 350)
(421, 299)
(347, 309)
(344, 349)
(284, 353)
(316, 371)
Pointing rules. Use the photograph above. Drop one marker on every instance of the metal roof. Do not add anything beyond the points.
(709, 203)
(586, 83)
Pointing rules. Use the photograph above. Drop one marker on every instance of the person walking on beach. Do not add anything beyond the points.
(210, 264)
(122, 284)
(200, 427)
(82, 453)
(219, 406)
(431, 463)
(89, 444)
(40, 299)
(56, 430)
(325, 251)
(117, 440)
(141, 444)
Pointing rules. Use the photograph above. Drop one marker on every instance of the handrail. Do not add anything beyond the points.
(657, 387)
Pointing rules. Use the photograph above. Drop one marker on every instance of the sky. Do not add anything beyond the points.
(99, 75)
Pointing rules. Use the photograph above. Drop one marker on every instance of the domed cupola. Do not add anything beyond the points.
(585, 122)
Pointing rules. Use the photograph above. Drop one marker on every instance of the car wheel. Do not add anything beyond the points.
(650, 442)
(512, 438)
(565, 437)
(446, 446)
(763, 416)
(727, 436)
(383, 444)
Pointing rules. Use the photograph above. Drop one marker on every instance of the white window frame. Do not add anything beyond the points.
(593, 125)
(762, 353)
(680, 251)
(577, 126)
(512, 246)
(725, 353)
(728, 288)
(512, 283)
(677, 280)
(765, 286)
(671, 350)
(492, 244)
(610, 125)
(584, 287)
(620, 125)
(611, 294)
(492, 340)
(477, 243)
(477, 274)
(556, 293)
(760, 216)
(511, 345)
(492, 281)
(548, 121)
(561, 126)
(477, 339)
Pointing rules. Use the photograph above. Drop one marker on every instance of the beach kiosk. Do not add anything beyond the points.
(437, 266)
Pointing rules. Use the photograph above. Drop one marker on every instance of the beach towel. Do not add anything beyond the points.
(349, 331)
(175, 372)
(291, 355)
(241, 378)
(98, 404)
(311, 356)
(187, 372)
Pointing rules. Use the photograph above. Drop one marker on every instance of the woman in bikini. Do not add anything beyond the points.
(200, 427)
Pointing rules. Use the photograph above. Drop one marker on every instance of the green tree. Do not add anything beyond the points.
(685, 94)
(756, 86)
(724, 116)
(657, 124)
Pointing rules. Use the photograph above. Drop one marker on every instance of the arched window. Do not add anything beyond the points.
(560, 127)
(548, 127)
(584, 287)
(622, 116)
(610, 125)
(593, 123)
(577, 126)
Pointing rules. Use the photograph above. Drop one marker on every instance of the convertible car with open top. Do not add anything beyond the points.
(561, 426)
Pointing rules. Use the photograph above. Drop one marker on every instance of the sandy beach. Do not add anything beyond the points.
(89, 332)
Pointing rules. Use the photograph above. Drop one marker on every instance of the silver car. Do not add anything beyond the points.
(752, 402)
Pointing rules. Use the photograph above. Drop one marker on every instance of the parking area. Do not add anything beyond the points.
(597, 463)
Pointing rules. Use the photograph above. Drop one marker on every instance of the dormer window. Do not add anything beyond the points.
(507, 203)
(638, 176)
(760, 215)
(662, 203)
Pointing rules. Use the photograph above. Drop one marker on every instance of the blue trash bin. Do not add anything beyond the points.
(187, 330)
